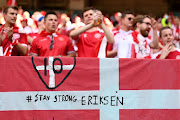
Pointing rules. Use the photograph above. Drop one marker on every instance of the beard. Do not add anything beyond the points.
(144, 32)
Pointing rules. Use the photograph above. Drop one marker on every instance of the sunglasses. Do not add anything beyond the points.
(52, 42)
(130, 18)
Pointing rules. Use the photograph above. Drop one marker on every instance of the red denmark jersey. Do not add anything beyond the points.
(21, 37)
(41, 45)
(88, 43)
(171, 55)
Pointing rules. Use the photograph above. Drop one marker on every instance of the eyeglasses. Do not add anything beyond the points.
(130, 18)
(148, 24)
(52, 42)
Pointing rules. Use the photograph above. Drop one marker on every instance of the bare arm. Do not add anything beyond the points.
(108, 34)
(73, 54)
(155, 42)
(79, 31)
(21, 48)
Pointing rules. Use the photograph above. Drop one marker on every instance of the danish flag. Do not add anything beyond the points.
(150, 89)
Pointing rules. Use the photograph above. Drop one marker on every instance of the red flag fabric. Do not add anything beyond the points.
(11, 2)
(38, 88)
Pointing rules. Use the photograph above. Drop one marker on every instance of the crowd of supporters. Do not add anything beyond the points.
(123, 35)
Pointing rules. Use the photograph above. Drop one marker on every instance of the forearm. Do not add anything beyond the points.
(73, 54)
(108, 34)
(155, 42)
(21, 48)
(79, 31)
(162, 56)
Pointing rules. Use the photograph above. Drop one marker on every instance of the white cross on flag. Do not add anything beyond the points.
(89, 89)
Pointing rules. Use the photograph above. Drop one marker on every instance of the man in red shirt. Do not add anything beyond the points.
(91, 40)
(169, 51)
(50, 43)
(13, 42)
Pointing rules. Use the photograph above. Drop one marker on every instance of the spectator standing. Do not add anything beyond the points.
(125, 29)
(91, 40)
(49, 42)
(169, 51)
(137, 44)
(13, 42)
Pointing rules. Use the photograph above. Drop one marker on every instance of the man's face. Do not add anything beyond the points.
(128, 20)
(177, 21)
(145, 27)
(41, 24)
(51, 23)
(88, 16)
(11, 16)
(167, 36)
(24, 24)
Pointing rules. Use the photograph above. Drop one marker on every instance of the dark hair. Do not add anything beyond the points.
(49, 13)
(139, 19)
(126, 12)
(115, 23)
(164, 28)
(88, 8)
(6, 9)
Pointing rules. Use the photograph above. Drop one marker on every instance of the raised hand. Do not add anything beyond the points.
(9, 32)
(154, 23)
(166, 50)
(98, 18)
(2, 35)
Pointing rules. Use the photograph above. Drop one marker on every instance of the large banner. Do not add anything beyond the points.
(52, 88)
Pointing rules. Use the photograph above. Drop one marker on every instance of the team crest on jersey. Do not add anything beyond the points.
(85, 35)
(97, 35)
(16, 36)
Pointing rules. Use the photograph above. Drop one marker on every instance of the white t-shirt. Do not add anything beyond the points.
(127, 45)
(118, 37)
